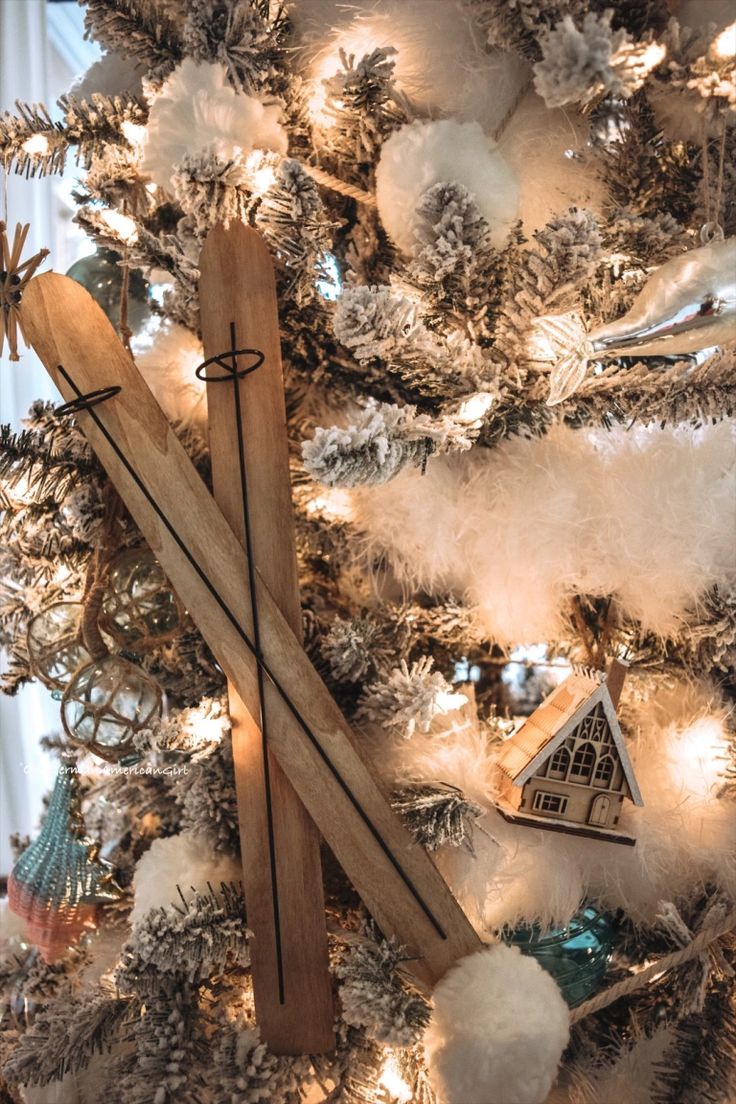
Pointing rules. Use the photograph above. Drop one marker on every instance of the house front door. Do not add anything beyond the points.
(599, 810)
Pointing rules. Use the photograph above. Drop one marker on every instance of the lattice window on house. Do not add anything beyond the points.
(549, 802)
(604, 772)
(559, 764)
(583, 763)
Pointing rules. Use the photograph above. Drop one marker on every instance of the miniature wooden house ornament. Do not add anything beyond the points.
(567, 768)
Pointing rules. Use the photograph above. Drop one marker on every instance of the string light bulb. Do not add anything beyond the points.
(120, 224)
(37, 145)
(134, 133)
(724, 46)
(393, 1083)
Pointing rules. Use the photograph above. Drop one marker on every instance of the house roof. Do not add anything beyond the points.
(554, 720)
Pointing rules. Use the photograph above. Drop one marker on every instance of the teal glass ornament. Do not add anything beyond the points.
(102, 276)
(577, 955)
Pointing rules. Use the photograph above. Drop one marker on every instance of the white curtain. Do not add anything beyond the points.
(33, 68)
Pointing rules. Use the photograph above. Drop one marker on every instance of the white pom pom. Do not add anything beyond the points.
(498, 1030)
(167, 358)
(422, 154)
(111, 75)
(197, 112)
(187, 861)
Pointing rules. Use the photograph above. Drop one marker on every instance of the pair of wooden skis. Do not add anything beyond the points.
(232, 560)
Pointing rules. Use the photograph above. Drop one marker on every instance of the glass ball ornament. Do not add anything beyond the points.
(140, 609)
(100, 273)
(55, 644)
(106, 703)
(576, 955)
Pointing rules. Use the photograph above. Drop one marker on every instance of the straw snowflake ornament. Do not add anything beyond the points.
(13, 279)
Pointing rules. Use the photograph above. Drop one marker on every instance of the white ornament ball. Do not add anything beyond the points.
(198, 113)
(422, 154)
(498, 1030)
(188, 861)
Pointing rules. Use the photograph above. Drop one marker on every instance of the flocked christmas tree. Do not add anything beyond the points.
(512, 463)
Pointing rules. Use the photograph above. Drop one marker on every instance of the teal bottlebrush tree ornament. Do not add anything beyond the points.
(58, 881)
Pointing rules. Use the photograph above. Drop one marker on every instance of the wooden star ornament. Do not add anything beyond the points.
(14, 277)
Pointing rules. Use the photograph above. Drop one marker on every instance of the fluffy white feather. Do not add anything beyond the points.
(187, 861)
(167, 357)
(422, 154)
(498, 1030)
(197, 112)
(646, 515)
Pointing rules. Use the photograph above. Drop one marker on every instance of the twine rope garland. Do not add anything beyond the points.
(338, 185)
(663, 965)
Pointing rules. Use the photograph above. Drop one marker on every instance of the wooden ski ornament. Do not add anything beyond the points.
(282, 873)
(206, 564)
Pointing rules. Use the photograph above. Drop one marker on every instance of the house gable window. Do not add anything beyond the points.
(549, 803)
(583, 763)
(559, 764)
(604, 772)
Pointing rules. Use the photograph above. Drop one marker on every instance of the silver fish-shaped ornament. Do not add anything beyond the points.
(687, 304)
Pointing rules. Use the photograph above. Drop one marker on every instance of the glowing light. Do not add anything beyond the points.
(392, 1081)
(261, 172)
(134, 133)
(724, 46)
(652, 56)
(61, 574)
(475, 408)
(37, 145)
(356, 40)
(205, 723)
(699, 756)
(121, 225)
(333, 504)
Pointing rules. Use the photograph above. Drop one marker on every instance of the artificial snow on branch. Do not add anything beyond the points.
(582, 64)
(410, 699)
(386, 439)
(33, 143)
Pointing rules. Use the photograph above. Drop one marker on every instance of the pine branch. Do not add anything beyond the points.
(136, 28)
(169, 1054)
(65, 1037)
(248, 39)
(374, 995)
(204, 937)
(35, 145)
(437, 814)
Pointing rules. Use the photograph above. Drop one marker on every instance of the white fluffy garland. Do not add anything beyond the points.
(197, 112)
(421, 154)
(185, 861)
(647, 515)
(686, 832)
(498, 1030)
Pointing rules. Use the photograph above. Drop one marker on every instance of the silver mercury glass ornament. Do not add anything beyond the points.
(687, 304)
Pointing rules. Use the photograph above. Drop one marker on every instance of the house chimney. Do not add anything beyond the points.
(615, 679)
